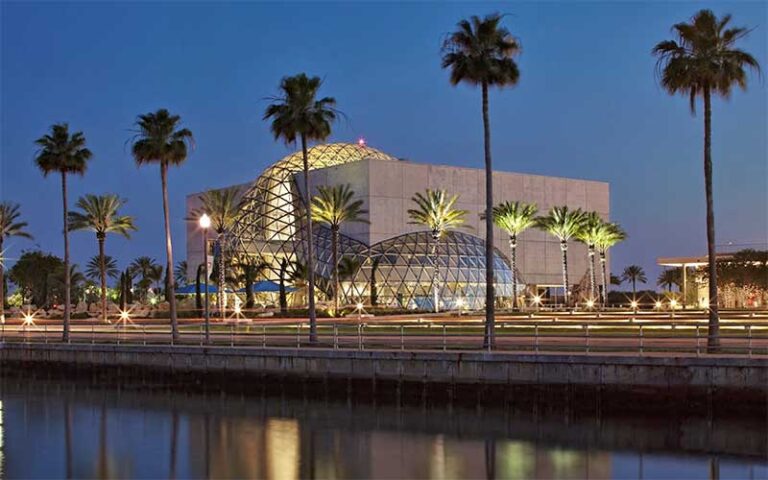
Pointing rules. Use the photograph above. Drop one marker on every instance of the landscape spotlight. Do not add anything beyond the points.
(125, 315)
(633, 304)
(536, 299)
(658, 304)
(673, 303)
(359, 306)
(590, 303)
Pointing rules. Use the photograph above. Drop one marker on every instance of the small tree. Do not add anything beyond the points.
(563, 224)
(514, 218)
(334, 206)
(436, 210)
(10, 226)
(634, 274)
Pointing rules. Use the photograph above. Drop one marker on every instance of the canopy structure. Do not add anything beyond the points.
(266, 286)
(191, 289)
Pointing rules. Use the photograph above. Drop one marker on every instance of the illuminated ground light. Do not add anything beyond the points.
(633, 304)
(673, 303)
(536, 299)
(359, 306)
(29, 319)
(590, 303)
(238, 310)
(659, 304)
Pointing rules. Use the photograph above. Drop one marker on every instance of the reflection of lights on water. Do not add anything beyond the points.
(2, 443)
(282, 442)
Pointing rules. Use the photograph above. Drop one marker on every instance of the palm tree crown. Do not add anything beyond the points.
(334, 205)
(481, 51)
(514, 217)
(297, 112)
(61, 152)
(610, 235)
(435, 210)
(10, 225)
(223, 206)
(93, 267)
(634, 274)
(99, 214)
(562, 223)
(704, 58)
(160, 140)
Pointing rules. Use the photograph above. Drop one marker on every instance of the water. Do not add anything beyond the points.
(61, 429)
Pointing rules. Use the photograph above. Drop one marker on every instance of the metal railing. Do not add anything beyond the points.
(553, 335)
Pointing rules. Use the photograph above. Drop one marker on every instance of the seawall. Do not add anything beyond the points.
(453, 368)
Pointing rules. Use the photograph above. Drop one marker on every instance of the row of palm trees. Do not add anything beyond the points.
(436, 211)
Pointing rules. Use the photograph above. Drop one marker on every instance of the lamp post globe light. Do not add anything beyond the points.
(205, 224)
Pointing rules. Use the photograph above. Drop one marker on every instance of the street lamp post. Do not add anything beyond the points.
(205, 224)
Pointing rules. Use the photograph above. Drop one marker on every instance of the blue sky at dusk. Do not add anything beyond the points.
(587, 106)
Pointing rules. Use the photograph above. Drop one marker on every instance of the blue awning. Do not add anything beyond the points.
(266, 286)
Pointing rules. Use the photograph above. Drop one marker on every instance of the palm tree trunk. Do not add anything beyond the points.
(564, 249)
(335, 260)
(513, 264)
(67, 279)
(170, 293)
(591, 264)
(604, 279)
(310, 246)
(198, 294)
(634, 288)
(490, 296)
(713, 341)
(103, 276)
(2, 282)
(283, 299)
(436, 278)
(222, 296)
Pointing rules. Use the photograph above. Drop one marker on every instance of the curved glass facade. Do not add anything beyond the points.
(397, 272)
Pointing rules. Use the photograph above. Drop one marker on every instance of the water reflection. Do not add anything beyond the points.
(54, 430)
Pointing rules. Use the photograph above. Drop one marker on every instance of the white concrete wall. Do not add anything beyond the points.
(387, 188)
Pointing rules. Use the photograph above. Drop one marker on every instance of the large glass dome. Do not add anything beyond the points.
(270, 225)
(403, 272)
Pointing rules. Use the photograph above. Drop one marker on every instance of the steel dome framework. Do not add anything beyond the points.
(271, 227)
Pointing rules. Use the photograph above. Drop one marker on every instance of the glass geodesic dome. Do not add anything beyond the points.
(405, 272)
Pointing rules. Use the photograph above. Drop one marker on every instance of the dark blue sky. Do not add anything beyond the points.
(587, 106)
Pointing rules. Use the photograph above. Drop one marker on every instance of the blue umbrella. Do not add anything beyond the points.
(266, 286)
(190, 289)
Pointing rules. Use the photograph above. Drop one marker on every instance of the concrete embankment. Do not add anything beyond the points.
(464, 368)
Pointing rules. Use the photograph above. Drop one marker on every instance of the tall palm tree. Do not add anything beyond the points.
(160, 140)
(563, 224)
(481, 52)
(589, 235)
(93, 267)
(704, 61)
(514, 218)
(436, 210)
(611, 234)
(99, 214)
(334, 206)
(297, 114)
(669, 277)
(10, 226)
(223, 207)
(64, 154)
(634, 274)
